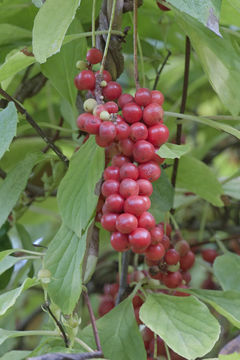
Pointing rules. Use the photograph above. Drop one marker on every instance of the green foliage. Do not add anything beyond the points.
(226, 269)
(16, 355)
(8, 127)
(173, 151)
(14, 63)
(162, 196)
(184, 323)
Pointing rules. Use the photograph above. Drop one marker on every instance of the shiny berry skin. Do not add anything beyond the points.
(149, 171)
(123, 130)
(187, 261)
(147, 202)
(126, 146)
(108, 222)
(145, 187)
(135, 205)
(81, 120)
(182, 247)
(111, 172)
(146, 221)
(101, 142)
(98, 109)
(140, 238)
(157, 97)
(186, 277)
(119, 241)
(125, 99)
(111, 289)
(112, 91)
(172, 257)
(158, 134)
(119, 160)
(132, 113)
(111, 107)
(143, 97)
(143, 151)
(129, 170)
(156, 235)
(209, 255)
(162, 7)
(106, 75)
(85, 80)
(138, 131)
(107, 131)
(152, 114)
(94, 56)
(166, 242)
(92, 125)
(155, 252)
(114, 203)
(110, 187)
(172, 279)
(128, 187)
(126, 223)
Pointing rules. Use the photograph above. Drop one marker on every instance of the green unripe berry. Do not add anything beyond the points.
(81, 65)
(89, 105)
(173, 268)
(44, 276)
(104, 115)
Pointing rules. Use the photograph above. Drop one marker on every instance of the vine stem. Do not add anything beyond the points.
(161, 69)
(93, 24)
(93, 321)
(123, 277)
(183, 105)
(83, 344)
(108, 37)
(135, 44)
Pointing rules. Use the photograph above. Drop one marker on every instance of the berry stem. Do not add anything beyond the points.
(183, 105)
(161, 69)
(135, 38)
(108, 37)
(123, 277)
(84, 345)
(167, 351)
(141, 60)
(93, 24)
(155, 346)
(175, 224)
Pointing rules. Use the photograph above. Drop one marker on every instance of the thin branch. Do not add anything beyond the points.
(55, 137)
(161, 69)
(183, 105)
(135, 45)
(35, 126)
(123, 277)
(63, 356)
(93, 321)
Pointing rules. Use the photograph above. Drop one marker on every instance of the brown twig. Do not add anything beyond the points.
(123, 277)
(161, 69)
(135, 58)
(206, 242)
(93, 321)
(32, 122)
(183, 105)
(63, 356)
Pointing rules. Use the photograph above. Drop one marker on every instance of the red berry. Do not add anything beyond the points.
(135, 205)
(101, 142)
(126, 146)
(129, 170)
(143, 151)
(92, 124)
(145, 187)
(152, 114)
(111, 107)
(119, 241)
(186, 277)
(147, 202)
(114, 203)
(172, 257)
(111, 289)
(140, 238)
(172, 279)
(108, 222)
(158, 134)
(111, 172)
(158, 159)
(107, 131)
(94, 56)
(138, 131)
(149, 171)
(143, 97)
(85, 80)
(147, 221)
(156, 235)
(157, 97)
(180, 293)
(123, 130)
(110, 187)
(182, 247)
(166, 242)
(107, 304)
(125, 99)
(160, 347)
(119, 160)
(166, 228)
(187, 261)
(162, 7)
(98, 109)
(126, 223)
(155, 252)
(112, 91)
(137, 317)
(132, 112)
(128, 187)
(137, 301)
(106, 75)
(209, 255)
(81, 120)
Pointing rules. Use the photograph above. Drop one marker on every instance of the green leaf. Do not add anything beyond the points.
(184, 323)
(227, 269)
(172, 151)
(7, 262)
(50, 27)
(15, 182)
(162, 196)
(10, 33)
(60, 69)
(16, 355)
(195, 176)
(8, 299)
(76, 197)
(64, 259)
(234, 356)
(219, 59)
(15, 63)
(205, 11)
(227, 303)
(119, 334)
(231, 188)
(8, 127)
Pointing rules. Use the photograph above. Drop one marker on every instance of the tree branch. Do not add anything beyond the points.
(161, 69)
(93, 321)
(55, 137)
